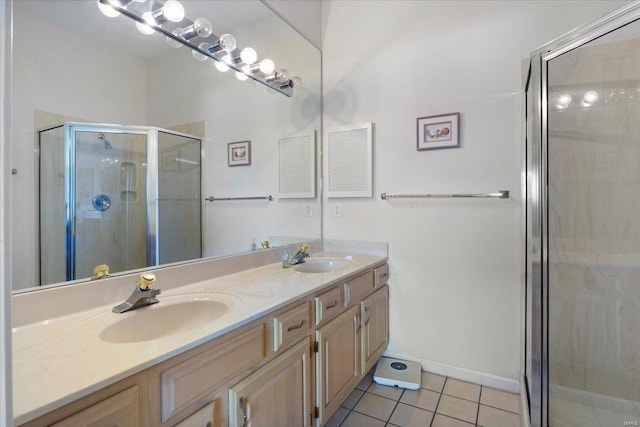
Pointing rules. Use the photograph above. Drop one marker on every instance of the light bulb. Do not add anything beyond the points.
(564, 99)
(267, 66)
(198, 55)
(221, 66)
(202, 27)
(173, 43)
(248, 55)
(282, 76)
(246, 69)
(173, 11)
(297, 81)
(227, 42)
(241, 76)
(145, 28)
(591, 96)
(107, 9)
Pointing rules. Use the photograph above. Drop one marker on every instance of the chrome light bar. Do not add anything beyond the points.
(147, 13)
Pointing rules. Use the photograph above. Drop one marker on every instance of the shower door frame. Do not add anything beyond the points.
(538, 392)
(70, 129)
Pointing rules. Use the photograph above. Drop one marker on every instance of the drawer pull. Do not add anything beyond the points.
(333, 304)
(245, 420)
(298, 326)
(356, 320)
(367, 316)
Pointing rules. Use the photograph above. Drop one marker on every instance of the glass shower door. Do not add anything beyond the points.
(594, 232)
(179, 206)
(110, 201)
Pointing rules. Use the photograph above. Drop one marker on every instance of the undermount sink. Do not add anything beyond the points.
(171, 315)
(323, 265)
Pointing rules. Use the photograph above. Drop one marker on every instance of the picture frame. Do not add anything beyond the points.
(239, 153)
(439, 131)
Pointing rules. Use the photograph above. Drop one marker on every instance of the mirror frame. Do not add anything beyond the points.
(6, 388)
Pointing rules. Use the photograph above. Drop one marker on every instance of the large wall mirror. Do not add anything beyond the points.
(119, 138)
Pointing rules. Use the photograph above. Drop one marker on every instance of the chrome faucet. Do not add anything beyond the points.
(141, 296)
(301, 255)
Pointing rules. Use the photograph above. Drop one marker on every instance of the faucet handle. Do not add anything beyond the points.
(100, 271)
(146, 281)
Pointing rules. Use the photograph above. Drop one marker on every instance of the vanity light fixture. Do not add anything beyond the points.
(172, 10)
(226, 43)
(169, 19)
(146, 28)
(200, 28)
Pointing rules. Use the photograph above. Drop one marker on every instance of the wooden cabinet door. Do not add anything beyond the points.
(338, 361)
(375, 327)
(119, 410)
(202, 418)
(278, 394)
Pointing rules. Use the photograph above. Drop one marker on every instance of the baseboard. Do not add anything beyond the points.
(489, 380)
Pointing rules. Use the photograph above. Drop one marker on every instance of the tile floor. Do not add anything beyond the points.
(440, 402)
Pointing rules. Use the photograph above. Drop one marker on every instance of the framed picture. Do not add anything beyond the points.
(239, 153)
(441, 131)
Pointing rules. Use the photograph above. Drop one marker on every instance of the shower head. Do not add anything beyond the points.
(105, 141)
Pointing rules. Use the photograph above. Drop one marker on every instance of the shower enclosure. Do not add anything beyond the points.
(582, 358)
(125, 196)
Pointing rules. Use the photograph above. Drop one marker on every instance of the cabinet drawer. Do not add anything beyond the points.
(381, 275)
(202, 418)
(119, 410)
(291, 324)
(191, 379)
(328, 305)
(358, 287)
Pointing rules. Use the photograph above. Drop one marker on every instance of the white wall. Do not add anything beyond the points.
(303, 15)
(455, 264)
(238, 111)
(113, 92)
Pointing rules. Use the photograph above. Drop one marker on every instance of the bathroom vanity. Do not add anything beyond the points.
(285, 350)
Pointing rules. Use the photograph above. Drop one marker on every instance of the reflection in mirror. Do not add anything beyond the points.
(133, 194)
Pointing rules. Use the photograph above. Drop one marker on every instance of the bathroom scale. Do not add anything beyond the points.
(398, 373)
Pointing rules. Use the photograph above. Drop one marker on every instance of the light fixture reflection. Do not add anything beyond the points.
(145, 28)
(241, 76)
(107, 10)
(197, 55)
(174, 43)
(591, 96)
(221, 66)
(564, 99)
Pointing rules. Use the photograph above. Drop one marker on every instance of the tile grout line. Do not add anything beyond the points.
(394, 408)
(354, 405)
(478, 411)
(435, 410)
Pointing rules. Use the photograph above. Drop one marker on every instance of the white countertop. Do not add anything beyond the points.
(63, 359)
